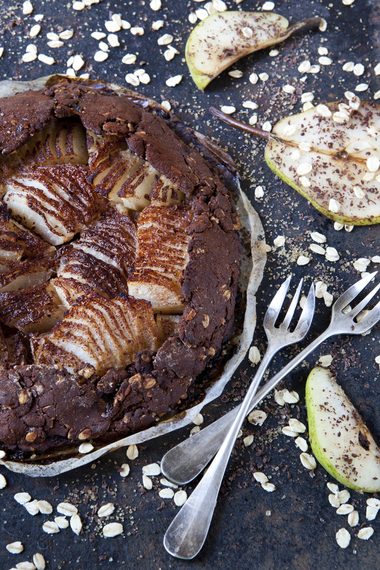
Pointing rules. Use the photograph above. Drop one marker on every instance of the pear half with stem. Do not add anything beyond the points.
(331, 155)
(339, 438)
(221, 39)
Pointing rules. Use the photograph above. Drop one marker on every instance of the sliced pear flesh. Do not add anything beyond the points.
(339, 438)
(221, 39)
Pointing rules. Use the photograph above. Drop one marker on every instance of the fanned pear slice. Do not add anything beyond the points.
(340, 440)
(330, 154)
(223, 38)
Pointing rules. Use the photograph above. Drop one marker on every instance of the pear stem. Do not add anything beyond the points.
(238, 124)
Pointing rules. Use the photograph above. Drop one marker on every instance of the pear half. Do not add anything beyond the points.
(221, 39)
(340, 440)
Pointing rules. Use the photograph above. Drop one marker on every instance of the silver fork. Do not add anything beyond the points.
(185, 461)
(187, 533)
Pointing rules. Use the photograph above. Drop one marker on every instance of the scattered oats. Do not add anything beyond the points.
(85, 447)
(253, 78)
(296, 155)
(98, 35)
(305, 97)
(302, 302)
(103, 46)
(334, 501)
(306, 147)
(338, 226)
(137, 31)
(297, 426)
(334, 206)
(35, 30)
(323, 25)
(323, 110)
(25, 566)
(371, 513)
(78, 6)
(22, 498)
(113, 40)
(112, 529)
(289, 131)
(153, 469)
(361, 87)
(198, 420)
(325, 360)
(273, 52)
(307, 106)
(323, 50)
(333, 487)
(77, 63)
(50, 527)
(39, 17)
(173, 81)
(167, 483)
(228, 109)
(257, 417)
(15, 547)
(106, 510)
(318, 237)
(290, 397)
(113, 27)
(279, 241)
(147, 482)
(259, 192)
(157, 25)
(39, 561)
(180, 498)
(129, 58)
(248, 440)
(260, 477)
(76, 524)
(359, 193)
(46, 59)
(348, 66)
(144, 78)
(320, 289)
(166, 493)
(304, 67)
(288, 89)
(1, 51)
(66, 34)
(359, 69)
(269, 487)
(315, 69)
(250, 105)
(155, 5)
(343, 538)
(301, 443)
(376, 95)
(303, 260)
(192, 17)
(170, 53)
(304, 169)
(268, 6)
(125, 25)
(279, 397)
(166, 105)
(286, 430)
(124, 470)
(373, 163)
(375, 259)
(67, 509)
(267, 127)
(353, 518)
(132, 79)
(3, 481)
(70, 72)
(253, 119)
(201, 13)
(44, 507)
(372, 502)
(165, 40)
(331, 254)
(365, 533)
(27, 8)
(308, 461)
(264, 76)
(361, 264)
(52, 36)
(325, 60)
(369, 176)
(340, 117)
(62, 522)
(55, 44)
(345, 509)
(236, 74)
(343, 496)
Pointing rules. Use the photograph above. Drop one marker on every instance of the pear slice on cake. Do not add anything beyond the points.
(339, 438)
(223, 38)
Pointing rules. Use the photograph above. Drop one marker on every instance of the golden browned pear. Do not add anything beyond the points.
(339, 438)
(223, 38)
(331, 155)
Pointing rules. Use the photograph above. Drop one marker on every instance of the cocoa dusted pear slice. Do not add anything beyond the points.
(339, 438)
(223, 38)
(331, 155)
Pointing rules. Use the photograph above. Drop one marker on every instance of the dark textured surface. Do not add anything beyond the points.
(299, 533)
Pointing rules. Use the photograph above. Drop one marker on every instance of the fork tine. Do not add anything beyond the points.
(356, 310)
(352, 292)
(276, 304)
(307, 312)
(292, 307)
(370, 319)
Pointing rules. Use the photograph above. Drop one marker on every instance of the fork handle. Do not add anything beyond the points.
(185, 461)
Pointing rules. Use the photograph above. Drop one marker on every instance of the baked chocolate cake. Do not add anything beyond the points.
(119, 262)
